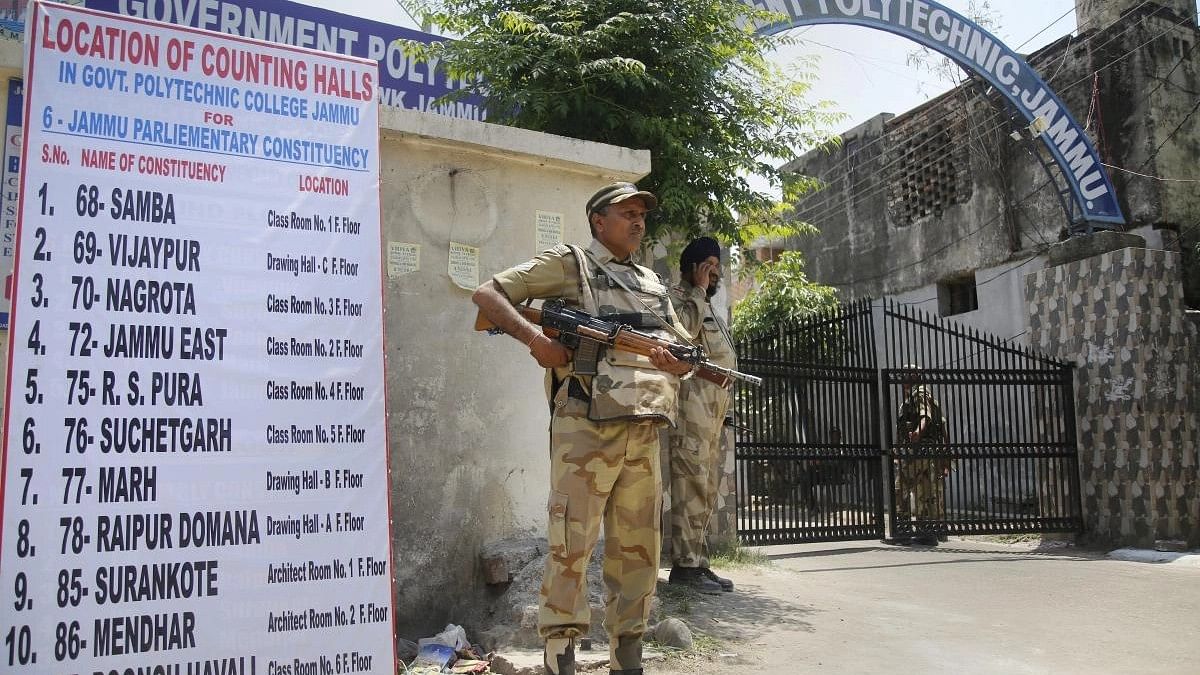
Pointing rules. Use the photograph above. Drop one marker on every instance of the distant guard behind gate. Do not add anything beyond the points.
(920, 422)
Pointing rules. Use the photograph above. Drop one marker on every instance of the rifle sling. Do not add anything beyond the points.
(665, 324)
(639, 320)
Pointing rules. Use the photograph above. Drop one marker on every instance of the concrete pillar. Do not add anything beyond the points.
(1119, 316)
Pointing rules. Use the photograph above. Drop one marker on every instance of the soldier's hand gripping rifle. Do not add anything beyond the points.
(581, 331)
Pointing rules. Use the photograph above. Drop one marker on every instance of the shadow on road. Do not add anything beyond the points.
(942, 555)
(732, 617)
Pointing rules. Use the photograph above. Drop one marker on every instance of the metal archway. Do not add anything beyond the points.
(1093, 201)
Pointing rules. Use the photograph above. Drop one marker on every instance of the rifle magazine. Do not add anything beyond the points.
(587, 356)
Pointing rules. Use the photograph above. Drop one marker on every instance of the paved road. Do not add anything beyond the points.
(964, 607)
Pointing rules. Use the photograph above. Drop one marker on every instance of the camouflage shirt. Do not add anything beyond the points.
(626, 386)
(919, 404)
(702, 325)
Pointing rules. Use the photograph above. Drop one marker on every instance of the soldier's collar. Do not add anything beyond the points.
(601, 253)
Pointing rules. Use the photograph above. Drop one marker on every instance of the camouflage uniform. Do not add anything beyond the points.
(604, 452)
(921, 477)
(695, 442)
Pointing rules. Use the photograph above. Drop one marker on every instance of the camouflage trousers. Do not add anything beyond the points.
(696, 467)
(921, 478)
(601, 472)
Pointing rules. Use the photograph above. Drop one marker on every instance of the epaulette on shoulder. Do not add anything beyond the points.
(560, 249)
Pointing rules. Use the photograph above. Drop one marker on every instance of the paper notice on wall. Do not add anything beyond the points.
(464, 265)
(549, 230)
(403, 258)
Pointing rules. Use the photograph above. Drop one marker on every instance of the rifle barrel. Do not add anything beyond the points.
(620, 337)
(737, 375)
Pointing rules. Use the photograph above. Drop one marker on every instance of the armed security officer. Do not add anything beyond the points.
(695, 441)
(607, 410)
(920, 422)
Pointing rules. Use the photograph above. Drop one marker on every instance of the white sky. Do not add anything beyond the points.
(862, 71)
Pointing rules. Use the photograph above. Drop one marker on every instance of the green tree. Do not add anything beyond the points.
(687, 79)
(783, 295)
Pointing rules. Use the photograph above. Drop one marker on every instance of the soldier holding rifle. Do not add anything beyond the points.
(607, 410)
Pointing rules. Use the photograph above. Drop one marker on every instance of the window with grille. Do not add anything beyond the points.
(930, 170)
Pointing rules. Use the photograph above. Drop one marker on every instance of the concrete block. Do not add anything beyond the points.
(502, 560)
(1091, 245)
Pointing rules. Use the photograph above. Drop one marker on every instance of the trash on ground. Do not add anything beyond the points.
(452, 636)
(449, 652)
(437, 655)
(470, 666)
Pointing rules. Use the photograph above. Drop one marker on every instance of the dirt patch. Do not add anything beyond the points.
(727, 627)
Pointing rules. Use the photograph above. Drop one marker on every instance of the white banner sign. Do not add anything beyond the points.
(195, 469)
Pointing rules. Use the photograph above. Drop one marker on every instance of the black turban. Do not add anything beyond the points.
(697, 252)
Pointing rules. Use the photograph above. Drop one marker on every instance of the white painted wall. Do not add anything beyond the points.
(468, 415)
(1001, 289)
(1001, 300)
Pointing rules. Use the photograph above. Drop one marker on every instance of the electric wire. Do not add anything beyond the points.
(1048, 27)
(941, 249)
(1171, 135)
(908, 153)
(846, 195)
(1152, 177)
(947, 113)
(981, 283)
(997, 217)
(1078, 29)
(835, 166)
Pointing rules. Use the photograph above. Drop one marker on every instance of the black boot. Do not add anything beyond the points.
(626, 651)
(726, 584)
(559, 656)
(693, 578)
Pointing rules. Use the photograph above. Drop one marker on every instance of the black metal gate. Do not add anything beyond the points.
(816, 449)
(808, 452)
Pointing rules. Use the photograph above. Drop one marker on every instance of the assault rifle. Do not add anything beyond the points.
(585, 333)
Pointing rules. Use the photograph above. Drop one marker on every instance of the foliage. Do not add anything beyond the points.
(687, 79)
(783, 295)
(731, 554)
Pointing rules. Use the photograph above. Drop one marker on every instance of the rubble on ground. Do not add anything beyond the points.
(512, 621)
(671, 632)
(513, 570)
